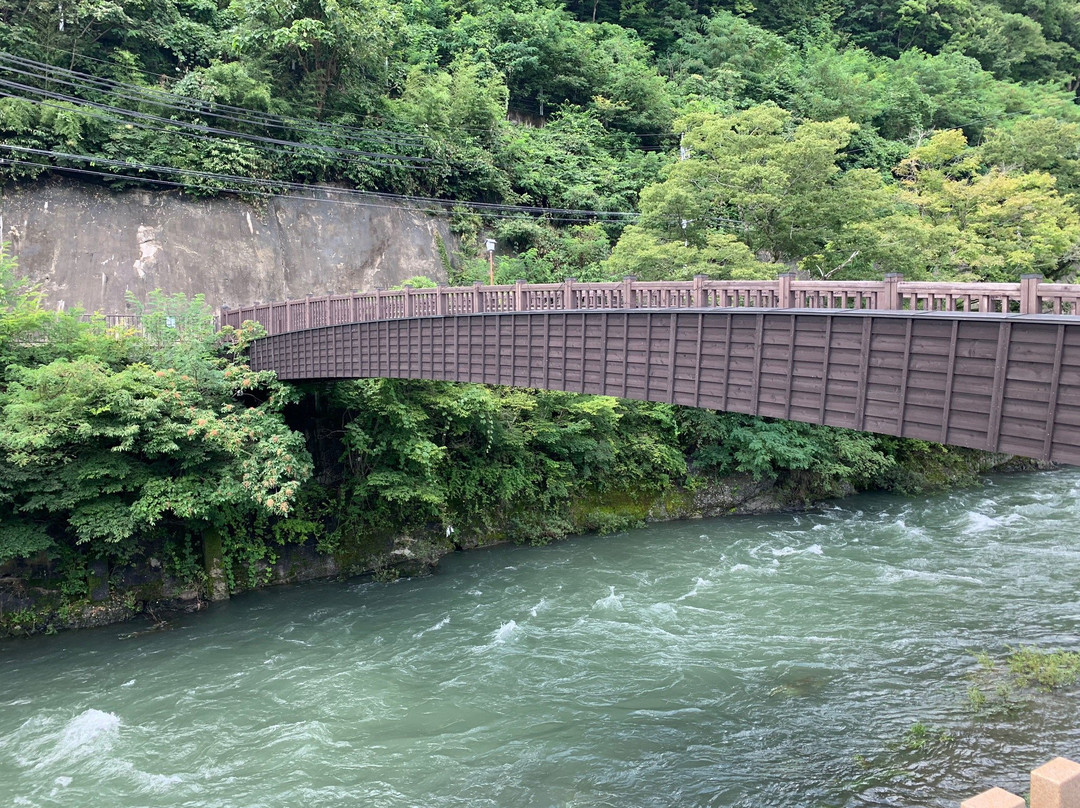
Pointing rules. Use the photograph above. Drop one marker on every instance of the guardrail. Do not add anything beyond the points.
(114, 320)
(1030, 296)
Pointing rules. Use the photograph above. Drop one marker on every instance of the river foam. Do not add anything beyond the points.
(745, 662)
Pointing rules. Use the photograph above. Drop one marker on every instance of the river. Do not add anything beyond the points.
(767, 661)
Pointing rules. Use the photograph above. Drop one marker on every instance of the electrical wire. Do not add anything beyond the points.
(267, 195)
(162, 76)
(212, 130)
(154, 75)
(513, 104)
(298, 150)
(272, 188)
(89, 83)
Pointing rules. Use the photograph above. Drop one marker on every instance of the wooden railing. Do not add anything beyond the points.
(1029, 296)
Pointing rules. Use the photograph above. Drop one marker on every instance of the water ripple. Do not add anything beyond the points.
(773, 662)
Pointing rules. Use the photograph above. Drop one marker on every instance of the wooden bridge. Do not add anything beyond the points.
(986, 366)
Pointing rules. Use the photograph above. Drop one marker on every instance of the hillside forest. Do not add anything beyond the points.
(939, 139)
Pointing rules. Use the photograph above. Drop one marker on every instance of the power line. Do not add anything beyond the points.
(132, 92)
(514, 104)
(272, 188)
(212, 130)
(248, 192)
(91, 113)
(159, 75)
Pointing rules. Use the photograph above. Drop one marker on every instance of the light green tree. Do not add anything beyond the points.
(985, 224)
(755, 177)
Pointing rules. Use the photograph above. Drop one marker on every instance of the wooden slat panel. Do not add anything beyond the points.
(1008, 384)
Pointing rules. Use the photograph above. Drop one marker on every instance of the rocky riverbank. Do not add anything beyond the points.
(33, 602)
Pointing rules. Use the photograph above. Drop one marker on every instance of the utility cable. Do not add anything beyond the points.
(88, 83)
(212, 130)
(444, 205)
(326, 109)
(173, 130)
(246, 192)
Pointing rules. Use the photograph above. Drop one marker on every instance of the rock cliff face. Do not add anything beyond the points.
(88, 246)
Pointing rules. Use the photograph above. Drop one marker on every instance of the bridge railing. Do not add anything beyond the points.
(1029, 296)
(986, 297)
(1059, 298)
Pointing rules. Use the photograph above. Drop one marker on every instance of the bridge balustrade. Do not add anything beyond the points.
(998, 298)
(1059, 298)
(1029, 296)
(841, 294)
(544, 297)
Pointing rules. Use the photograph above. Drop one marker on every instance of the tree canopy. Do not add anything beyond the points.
(796, 131)
(592, 138)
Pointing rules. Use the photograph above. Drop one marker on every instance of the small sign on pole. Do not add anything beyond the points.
(489, 245)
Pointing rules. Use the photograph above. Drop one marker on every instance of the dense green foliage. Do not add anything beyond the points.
(489, 460)
(111, 440)
(940, 140)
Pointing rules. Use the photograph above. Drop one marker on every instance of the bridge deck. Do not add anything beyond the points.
(997, 382)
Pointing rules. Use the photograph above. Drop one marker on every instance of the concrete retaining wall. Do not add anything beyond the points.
(88, 246)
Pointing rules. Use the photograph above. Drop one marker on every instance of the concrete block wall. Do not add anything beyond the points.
(1053, 785)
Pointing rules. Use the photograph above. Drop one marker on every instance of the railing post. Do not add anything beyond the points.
(307, 311)
(380, 303)
(785, 295)
(1056, 784)
(440, 300)
(521, 302)
(1029, 295)
(890, 295)
(407, 289)
(698, 291)
(569, 301)
(477, 297)
(628, 292)
(222, 314)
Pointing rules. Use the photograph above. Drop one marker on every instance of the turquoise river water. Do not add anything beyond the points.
(754, 661)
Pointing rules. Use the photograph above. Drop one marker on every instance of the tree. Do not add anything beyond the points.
(1042, 144)
(100, 452)
(986, 225)
(774, 184)
(574, 162)
(649, 257)
(318, 47)
(731, 58)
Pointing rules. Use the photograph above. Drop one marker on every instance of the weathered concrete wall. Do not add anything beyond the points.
(88, 246)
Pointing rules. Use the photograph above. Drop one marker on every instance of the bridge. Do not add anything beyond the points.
(986, 366)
